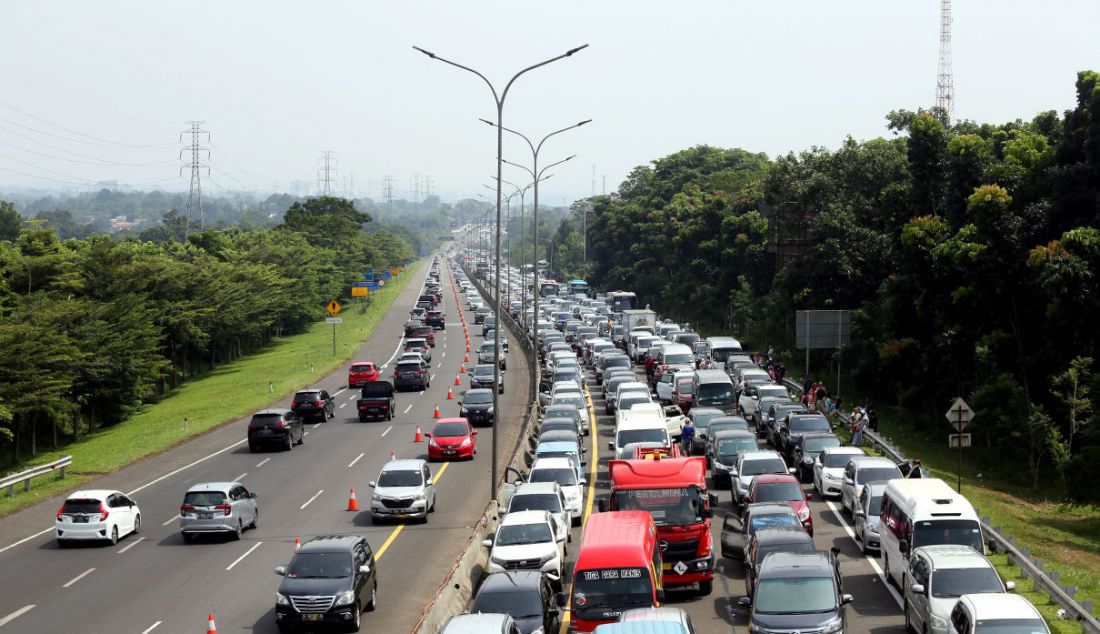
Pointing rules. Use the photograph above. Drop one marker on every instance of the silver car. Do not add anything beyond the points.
(404, 490)
(218, 507)
(867, 516)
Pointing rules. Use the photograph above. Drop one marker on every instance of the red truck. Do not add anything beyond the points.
(674, 492)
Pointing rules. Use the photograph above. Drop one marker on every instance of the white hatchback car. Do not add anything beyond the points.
(526, 540)
(564, 472)
(96, 515)
(829, 469)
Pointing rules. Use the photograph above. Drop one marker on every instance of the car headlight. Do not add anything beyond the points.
(489, 411)
(432, 443)
(718, 466)
(345, 598)
(465, 443)
(420, 497)
(753, 627)
(545, 559)
(804, 514)
(498, 561)
(462, 409)
(281, 600)
(938, 622)
(833, 626)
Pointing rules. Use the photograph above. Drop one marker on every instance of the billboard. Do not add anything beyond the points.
(821, 329)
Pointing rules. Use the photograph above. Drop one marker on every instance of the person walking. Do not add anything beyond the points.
(687, 436)
(858, 424)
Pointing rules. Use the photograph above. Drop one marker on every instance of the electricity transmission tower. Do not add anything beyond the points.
(945, 78)
(195, 216)
(326, 172)
(414, 190)
(427, 190)
(387, 191)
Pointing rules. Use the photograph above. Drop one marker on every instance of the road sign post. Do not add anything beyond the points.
(959, 416)
(334, 308)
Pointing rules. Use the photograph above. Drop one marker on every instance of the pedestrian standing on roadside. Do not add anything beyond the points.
(781, 371)
(858, 424)
(872, 417)
(806, 384)
(687, 435)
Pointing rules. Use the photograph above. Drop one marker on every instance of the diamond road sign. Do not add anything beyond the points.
(960, 415)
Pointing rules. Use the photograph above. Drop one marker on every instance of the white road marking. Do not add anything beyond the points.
(240, 477)
(343, 404)
(357, 458)
(150, 628)
(440, 366)
(262, 462)
(352, 397)
(421, 393)
(442, 355)
(174, 518)
(390, 427)
(14, 615)
(340, 391)
(79, 577)
(317, 425)
(131, 545)
(407, 408)
(871, 560)
(247, 553)
(315, 495)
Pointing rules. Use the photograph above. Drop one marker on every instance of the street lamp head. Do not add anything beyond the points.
(428, 53)
(488, 122)
(570, 52)
(584, 122)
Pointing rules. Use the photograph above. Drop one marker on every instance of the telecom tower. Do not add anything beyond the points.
(945, 79)
(326, 172)
(195, 216)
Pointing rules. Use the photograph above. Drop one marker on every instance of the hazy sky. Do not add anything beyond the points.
(277, 82)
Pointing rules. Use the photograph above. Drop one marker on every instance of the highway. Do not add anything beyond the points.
(154, 582)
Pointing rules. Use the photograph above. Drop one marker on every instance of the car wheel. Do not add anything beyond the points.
(252, 448)
(114, 535)
(255, 520)
(357, 618)
(237, 533)
(137, 525)
(373, 603)
(706, 587)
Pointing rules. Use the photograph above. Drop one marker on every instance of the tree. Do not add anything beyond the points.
(328, 221)
(10, 222)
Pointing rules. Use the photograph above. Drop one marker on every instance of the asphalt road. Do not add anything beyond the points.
(154, 582)
(876, 608)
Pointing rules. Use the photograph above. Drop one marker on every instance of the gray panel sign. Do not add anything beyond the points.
(821, 329)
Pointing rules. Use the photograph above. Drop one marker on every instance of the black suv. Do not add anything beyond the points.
(314, 404)
(275, 428)
(525, 595)
(477, 406)
(330, 581)
(436, 319)
(797, 592)
(411, 375)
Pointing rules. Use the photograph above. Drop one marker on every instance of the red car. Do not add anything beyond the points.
(783, 488)
(451, 438)
(682, 391)
(361, 373)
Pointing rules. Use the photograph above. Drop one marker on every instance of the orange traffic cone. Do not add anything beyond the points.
(353, 504)
(457, 382)
(462, 368)
(450, 397)
(297, 544)
(210, 627)
(466, 359)
(393, 456)
(436, 414)
(467, 346)
(419, 437)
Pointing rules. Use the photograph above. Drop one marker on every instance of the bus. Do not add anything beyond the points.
(618, 567)
(623, 300)
(548, 288)
(578, 288)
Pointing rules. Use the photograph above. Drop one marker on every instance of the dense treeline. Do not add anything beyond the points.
(94, 328)
(968, 253)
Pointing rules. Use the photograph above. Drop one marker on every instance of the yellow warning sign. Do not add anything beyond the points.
(334, 308)
(360, 291)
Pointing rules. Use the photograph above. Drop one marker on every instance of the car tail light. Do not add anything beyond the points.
(282, 424)
(226, 508)
(103, 512)
(60, 512)
(420, 372)
(318, 403)
(186, 508)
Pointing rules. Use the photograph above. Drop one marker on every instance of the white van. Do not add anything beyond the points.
(722, 347)
(645, 425)
(923, 512)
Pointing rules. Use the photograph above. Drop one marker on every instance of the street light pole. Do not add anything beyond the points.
(499, 99)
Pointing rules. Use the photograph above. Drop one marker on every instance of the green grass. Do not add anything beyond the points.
(225, 394)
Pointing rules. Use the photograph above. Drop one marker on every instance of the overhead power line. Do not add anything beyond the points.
(108, 142)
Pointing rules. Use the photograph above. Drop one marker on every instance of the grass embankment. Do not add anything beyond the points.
(216, 398)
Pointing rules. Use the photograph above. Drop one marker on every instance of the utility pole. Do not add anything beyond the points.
(326, 172)
(945, 78)
(195, 216)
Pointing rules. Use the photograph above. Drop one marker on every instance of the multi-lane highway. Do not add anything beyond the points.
(154, 582)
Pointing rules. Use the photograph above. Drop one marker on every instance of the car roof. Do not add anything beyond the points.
(954, 556)
(843, 450)
(453, 419)
(782, 535)
(665, 615)
(525, 517)
(415, 340)
(790, 564)
(91, 494)
(996, 606)
(875, 461)
(476, 623)
(477, 390)
(511, 580)
(642, 627)
(774, 478)
(552, 463)
(733, 433)
(309, 390)
(759, 454)
(211, 486)
(404, 464)
(536, 488)
(329, 544)
(273, 411)
(770, 508)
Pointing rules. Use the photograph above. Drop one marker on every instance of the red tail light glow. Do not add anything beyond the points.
(59, 513)
(227, 509)
(318, 403)
(103, 512)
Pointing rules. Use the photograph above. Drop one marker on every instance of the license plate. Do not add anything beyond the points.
(312, 617)
(80, 519)
(206, 516)
(374, 410)
(449, 452)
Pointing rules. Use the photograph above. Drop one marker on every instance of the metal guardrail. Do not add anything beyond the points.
(998, 542)
(57, 466)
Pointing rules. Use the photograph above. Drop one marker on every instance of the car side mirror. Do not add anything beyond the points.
(429, 482)
(916, 588)
(745, 602)
(1010, 585)
(488, 543)
(601, 504)
(364, 569)
(427, 435)
(845, 599)
(660, 595)
(372, 484)
(792, 471)
(280, 570)
(254, 495)
(474, 433)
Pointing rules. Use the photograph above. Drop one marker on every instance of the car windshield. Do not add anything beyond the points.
(487, 348)
(535, 502)
(814, 445)
(684, 386)
(1011, 626)
(949, 583)
(483, 371)
(610, 588)
(715, 392)
(837, 460)
(477, 398)
(561, 412)
(632, 399)
(518, 604)
(730, 446)
(758, 522)
(404, 478)
(874, 474)
(628, 436)
(519, 534)
(802, 595)
(763, 465)
(194, 498)
(702, 416)
(716, 427)
(618, 362)
(958, 532)
(408, 366)
(362, 368)
(564, 477)
(804, 424)
(669, 507)
(774, 391)
(320, 566)
(779, 492)
(681, 359)
(801, 546)
(450, 430)
(307, 397)
(569, 399)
